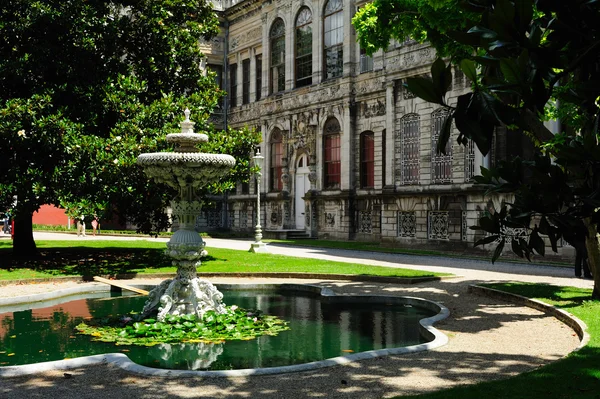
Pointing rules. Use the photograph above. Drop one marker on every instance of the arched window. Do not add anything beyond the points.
(331, 156)
(275, 165)
(367, 160)
(409, 134)
(277, 37)
(333, 39)
(304, 48)
(441, 164)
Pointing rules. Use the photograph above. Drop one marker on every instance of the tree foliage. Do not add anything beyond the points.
(85, 87)
(434, 21)
(526, 58)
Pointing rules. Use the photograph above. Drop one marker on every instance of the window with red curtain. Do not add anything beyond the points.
(276, 167)
(331, 156)
(367, 160)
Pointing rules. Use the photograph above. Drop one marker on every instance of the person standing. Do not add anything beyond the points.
(81, 226)
(95, 225)
(581, 260)
(6, 226)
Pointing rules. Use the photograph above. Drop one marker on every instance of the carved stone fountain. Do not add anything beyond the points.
(186, 170)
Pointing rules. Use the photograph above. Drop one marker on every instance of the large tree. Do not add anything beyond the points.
(527, 59)
(87, 85)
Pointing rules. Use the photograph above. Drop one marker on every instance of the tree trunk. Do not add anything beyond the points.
(23, 244)
(593, 250)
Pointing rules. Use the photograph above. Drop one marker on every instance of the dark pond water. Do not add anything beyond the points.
(319, 330)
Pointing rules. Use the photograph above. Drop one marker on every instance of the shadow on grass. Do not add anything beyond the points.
(576, 376)
(563, 297)
(85, 261)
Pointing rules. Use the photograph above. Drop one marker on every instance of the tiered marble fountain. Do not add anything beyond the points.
(186, 170)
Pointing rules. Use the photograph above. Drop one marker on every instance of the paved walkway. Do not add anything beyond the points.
(488, 339)
(476, 270)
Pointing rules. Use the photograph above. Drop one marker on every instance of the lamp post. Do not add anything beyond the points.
(258, 245)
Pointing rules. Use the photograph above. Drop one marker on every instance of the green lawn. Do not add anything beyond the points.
(577, 376)
(68, 258)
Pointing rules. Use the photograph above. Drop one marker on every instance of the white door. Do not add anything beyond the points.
(302, 186)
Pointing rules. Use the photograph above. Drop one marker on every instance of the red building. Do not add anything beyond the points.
(51, 215)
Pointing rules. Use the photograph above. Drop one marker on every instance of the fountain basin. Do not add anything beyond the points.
(333, 309)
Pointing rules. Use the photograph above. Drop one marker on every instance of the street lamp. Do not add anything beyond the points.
(258, 245)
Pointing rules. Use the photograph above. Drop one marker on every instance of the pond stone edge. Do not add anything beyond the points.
(121, 360)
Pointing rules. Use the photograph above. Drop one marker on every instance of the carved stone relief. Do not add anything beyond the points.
(371, 109)
(248, 37)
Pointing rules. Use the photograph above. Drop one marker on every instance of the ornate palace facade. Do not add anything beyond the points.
(349, 153)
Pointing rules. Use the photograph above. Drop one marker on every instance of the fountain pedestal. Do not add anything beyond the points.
(186, 170)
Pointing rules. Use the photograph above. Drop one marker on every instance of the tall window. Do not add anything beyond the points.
(258, 77)
(276, 167)
(232, 85)
(441, 164)
(245, 81)
(304, 48)
(409, 133)
(277, 56)
(218, 70)
(367, 160)
(331, 156)
(366, 61)
(333, 39)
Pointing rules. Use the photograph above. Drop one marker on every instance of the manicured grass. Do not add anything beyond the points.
(68, 258)
(576, 376)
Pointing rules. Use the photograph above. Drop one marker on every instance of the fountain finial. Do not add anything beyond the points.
(187, 114)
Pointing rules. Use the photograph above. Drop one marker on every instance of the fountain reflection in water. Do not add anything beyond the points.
(186, 170)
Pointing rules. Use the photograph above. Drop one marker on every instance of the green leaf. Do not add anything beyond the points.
(524, 13)
(425, 89)
(516, 248)
(498, 250)
(537, 243)
(441, 76)
(444, 134)
(511, 71)
(469, 68)
(486, 240)
(484, 33)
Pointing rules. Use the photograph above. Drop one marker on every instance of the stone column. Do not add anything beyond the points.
(390, 119)
(290, 80)
(317, 49)
(349, 39)
(347, 139)
(266, 58)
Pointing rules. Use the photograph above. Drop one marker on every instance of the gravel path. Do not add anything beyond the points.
(488, 339)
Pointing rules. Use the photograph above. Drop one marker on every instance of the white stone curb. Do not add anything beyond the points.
(122, 361)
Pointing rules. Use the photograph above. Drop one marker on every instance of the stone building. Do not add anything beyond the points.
(349, 153)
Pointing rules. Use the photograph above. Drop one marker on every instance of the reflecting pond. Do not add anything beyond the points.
(320, 329)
